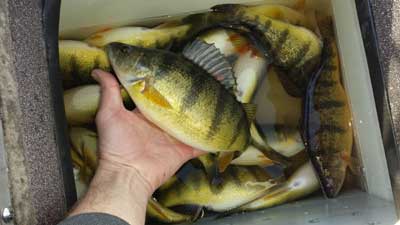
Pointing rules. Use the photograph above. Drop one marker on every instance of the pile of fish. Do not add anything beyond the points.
(258, 87)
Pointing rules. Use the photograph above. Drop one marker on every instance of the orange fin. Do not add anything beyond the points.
(224, 159)
(154, 96)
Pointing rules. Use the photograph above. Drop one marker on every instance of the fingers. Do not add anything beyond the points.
(111, 99)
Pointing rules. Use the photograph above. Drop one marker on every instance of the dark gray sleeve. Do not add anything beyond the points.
(93, 219)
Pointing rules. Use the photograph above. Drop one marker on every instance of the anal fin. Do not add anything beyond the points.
(224, 159)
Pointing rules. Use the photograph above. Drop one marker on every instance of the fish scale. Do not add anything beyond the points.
(288, 49)
(181, 98)
(328, 123)
(240, 185)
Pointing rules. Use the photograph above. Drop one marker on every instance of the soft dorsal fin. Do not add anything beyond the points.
(250, 110)
(210, 58)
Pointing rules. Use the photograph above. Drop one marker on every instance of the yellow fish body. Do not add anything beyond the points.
(138, 36)
(300, 184)
(181, 98)
(328, 122)
(77, 60)
(239, 186)
(289, 46)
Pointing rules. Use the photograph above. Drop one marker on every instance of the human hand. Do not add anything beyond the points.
(135, 158)
(128, 140)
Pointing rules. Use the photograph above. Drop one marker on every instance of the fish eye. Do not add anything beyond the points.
(125, 49)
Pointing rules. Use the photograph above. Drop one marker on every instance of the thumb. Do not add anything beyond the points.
(111, 99)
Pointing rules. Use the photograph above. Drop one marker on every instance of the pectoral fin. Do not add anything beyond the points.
(155, 96)
(163, 214)
(252, 157)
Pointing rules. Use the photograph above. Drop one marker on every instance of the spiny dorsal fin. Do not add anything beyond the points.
(208, 57)
(250, 110)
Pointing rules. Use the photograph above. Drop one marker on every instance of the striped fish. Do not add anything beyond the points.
(327, 122)
(279, 12)
(77, 60)
(289, 46)
(139, 36)
(240, 185)
(301, 183)
(181, 98)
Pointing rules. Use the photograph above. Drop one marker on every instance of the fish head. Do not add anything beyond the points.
(128, 62)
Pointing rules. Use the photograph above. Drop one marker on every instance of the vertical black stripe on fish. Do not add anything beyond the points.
(217, 183)
(234, 173)
(330, 68)
(264, 27)
(179, 189)
(329, 104)
(283, 37)
(197, 179)
(330, 151)
(218, 112)
(197, 86)
(325, 83)
(329, 51)
(96, 65)
(239, 126)
(169, 60)
(75, 70)
(299, 56)
(255, 173)
(331, 128)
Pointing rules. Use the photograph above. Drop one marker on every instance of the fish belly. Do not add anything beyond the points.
(209, 123)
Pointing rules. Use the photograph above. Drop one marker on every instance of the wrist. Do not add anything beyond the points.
(132, 177)
(117, 190)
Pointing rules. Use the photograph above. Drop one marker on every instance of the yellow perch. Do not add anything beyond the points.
(327, 119)
(181, 98)
(77, 60)
(239, 186)
(139, 36)
(300, 184)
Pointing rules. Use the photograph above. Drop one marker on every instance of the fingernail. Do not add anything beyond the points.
(95, 74)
